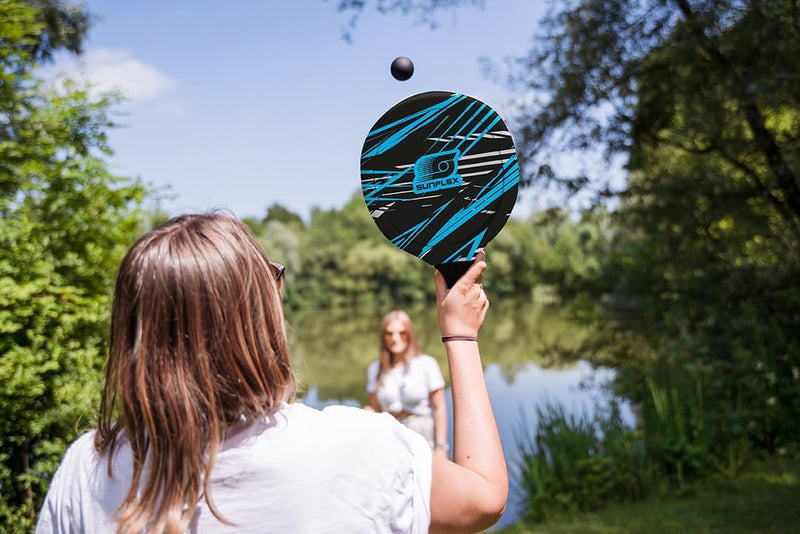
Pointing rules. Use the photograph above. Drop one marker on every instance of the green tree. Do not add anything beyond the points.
(550, 250)
(425, 11)
(570, 253)
(701, 102)
(279, 213)
(65, 222)
(705, 108)
(711, 246)
(276, 213)
(347, 261)
(706, 77)
(513, 257)
(282, 244)
(615, 73)
(715, 281)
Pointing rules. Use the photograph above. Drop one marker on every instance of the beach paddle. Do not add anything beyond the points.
(439, 175)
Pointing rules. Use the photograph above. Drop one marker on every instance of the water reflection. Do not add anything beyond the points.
(531, 357)
(331, 351)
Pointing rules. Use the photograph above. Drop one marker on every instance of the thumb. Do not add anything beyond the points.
(473, 275)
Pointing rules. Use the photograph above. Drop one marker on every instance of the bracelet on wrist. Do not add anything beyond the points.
(444, 446)
(445, 339)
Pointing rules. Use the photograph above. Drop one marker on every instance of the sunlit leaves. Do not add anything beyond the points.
(65, 223)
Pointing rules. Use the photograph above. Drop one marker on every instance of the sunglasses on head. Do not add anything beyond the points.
(277, 270)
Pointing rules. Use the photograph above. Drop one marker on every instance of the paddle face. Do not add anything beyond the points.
(439, 174)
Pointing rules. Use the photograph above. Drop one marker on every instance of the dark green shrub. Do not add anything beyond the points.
(573, 463)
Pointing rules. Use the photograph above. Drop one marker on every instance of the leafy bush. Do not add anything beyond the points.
(573, 463)
(65, 222)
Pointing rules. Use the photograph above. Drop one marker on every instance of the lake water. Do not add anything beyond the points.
(531, 356)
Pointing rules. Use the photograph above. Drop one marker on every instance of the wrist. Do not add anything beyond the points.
(441, 445)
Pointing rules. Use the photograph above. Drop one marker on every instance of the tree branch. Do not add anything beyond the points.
(765, 191)
(763, 138)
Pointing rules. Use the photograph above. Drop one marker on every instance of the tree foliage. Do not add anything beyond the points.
(711, 249)
(715, 76)
(425, 11)
(341, 259)
(64, 224)
(705, 77)
(705, 108)
(701, 101)
(346, 261)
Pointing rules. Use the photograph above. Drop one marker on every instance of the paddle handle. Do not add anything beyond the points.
(453, 271)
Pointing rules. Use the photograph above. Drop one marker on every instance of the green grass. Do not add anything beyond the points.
(762, 498)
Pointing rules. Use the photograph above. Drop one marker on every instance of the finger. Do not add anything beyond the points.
(484, 309)
(473, 275)
(481, 296)
(480, 256)
(441, 286)
(475, 292)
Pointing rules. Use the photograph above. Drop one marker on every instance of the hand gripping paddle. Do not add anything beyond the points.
(439, 174)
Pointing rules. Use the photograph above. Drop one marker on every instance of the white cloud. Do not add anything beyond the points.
(114, 69)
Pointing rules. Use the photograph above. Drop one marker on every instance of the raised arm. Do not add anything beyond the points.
(468, 494)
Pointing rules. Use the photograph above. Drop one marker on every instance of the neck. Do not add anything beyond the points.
(398, 359)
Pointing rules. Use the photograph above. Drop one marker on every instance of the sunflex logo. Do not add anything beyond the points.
(433, 172)
(435, 185)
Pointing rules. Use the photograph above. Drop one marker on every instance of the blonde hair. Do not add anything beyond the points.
(386, 356)
(197, 345)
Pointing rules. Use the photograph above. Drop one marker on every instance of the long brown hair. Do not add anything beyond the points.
(412, 349)
(197, 345)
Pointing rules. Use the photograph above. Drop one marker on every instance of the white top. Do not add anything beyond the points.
(407, 387)
(301, 470)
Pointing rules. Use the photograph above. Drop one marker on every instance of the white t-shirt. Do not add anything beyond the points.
(407, 387)
(301, 470)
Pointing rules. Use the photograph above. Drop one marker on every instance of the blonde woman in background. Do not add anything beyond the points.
(407, 383)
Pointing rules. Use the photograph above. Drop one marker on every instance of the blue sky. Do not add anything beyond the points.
(241, 104)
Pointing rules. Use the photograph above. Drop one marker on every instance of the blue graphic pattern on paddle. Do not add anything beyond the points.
(440, 175)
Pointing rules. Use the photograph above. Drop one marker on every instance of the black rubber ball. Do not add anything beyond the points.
(402, 68)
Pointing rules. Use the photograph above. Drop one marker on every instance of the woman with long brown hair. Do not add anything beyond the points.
(197, 430)
(407, 383)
